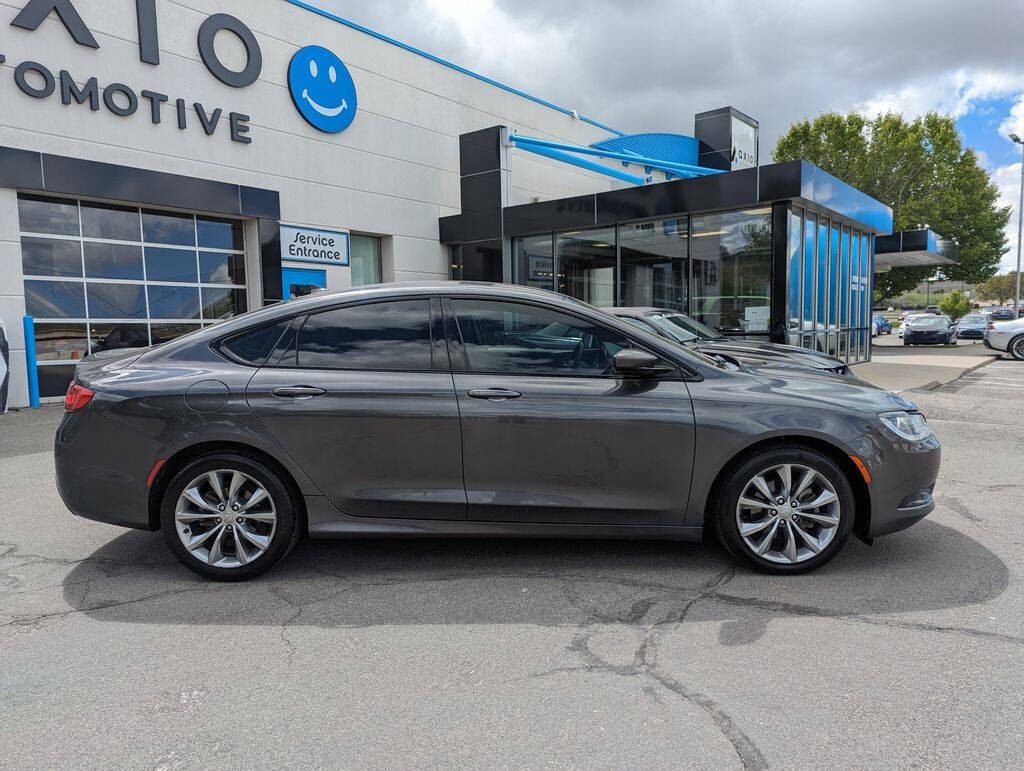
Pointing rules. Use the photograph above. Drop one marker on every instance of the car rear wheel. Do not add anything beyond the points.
(1016, 348)
(229, 516)
(785, 510)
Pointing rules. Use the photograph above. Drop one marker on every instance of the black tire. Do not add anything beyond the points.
(723, 506)
(1016, 348)
(285, 499)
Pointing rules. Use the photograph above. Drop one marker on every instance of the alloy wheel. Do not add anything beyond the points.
(225, 518)
(788, 513)
(1017, 350)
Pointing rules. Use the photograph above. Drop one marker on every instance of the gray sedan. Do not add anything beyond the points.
(450, 409)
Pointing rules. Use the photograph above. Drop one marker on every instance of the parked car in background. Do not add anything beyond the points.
(680, 328)
(1006, 336)
(973, 326)
(930, 330)
(934, 309)
(908, 317)
(883, 324)
(1002, 314)
(454, 409)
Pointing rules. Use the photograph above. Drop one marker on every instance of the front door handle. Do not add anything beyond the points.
(298, 392)
(494, 394)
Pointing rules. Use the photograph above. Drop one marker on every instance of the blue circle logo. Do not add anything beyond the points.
(322, 89)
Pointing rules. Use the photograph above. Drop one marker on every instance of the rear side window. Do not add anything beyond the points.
(383, 336)
(254, 346)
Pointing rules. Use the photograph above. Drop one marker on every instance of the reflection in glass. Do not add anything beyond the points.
(167, 228)
(822, 278)
(171, 265)
(386, 336)
(221, 268)
(60, 342)
(116, 301)
(586, 265)
(222, 303)
(654, 264)
(794, 273)
(833, 280)
(55, 299)
(533, 262)
(734, 251)
(164, 333)
(113, 260)
(110, 337)
(810, 227)
(173, 302)
(844, 281)
(118, 223)
(509, 338)
(364, 256)
(50, 257)
(218, 233)
(53, 216)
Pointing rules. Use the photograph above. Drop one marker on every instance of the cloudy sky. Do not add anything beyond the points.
(649, 65)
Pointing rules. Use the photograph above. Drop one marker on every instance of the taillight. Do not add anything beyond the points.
(77, 397)
(991, 327)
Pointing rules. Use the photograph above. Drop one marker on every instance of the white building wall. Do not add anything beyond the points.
(392, 173)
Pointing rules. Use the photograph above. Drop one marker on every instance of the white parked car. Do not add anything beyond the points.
(1007, 336)
(908, 317)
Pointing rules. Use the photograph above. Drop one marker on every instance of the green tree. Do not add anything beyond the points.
(921, 169)
(955, 305)
(999, 288)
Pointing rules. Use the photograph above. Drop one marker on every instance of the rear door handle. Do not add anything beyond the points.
(298, 392)
(494, 394)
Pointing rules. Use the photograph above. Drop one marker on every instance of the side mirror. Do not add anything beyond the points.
(632, 362)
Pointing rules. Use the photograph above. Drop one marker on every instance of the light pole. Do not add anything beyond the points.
(1020, 225)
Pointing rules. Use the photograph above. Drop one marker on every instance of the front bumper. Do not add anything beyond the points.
(102, 469)
(903, 475)
(917, 338)
(971, 334)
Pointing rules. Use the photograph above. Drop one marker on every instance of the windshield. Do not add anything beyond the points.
(682, 327)
(974, 319)
(929, 321)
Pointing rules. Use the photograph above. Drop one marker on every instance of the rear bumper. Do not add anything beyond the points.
(971, 334)
(102, 469)
(997, 341)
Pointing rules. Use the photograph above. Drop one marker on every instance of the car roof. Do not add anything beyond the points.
(636, 310)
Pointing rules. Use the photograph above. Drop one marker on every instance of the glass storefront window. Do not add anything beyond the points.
(92, 266)
(586, 265)
(833, 278)
(732, 258)
(810, 227)
(533, 262)
(654, 258)
(821, 282)
(794, 274)
(844, 281)
(364, 254)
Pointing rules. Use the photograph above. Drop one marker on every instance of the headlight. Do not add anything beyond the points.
(906, 425)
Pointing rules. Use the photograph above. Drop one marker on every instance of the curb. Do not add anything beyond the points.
(938, 383)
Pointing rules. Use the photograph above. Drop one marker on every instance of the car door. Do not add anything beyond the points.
(361, 397)
(550, 433)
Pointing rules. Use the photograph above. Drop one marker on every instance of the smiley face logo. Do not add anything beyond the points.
(322, 89)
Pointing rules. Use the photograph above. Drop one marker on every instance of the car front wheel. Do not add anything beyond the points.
(229, 516)
(785, 510)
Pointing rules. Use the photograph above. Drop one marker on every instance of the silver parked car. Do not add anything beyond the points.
(1006, 336)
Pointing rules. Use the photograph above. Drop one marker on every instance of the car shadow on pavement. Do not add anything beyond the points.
(361, 583)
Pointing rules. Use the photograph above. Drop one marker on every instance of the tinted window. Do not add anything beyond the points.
(163, 228)
(46, 257)
(253, 346)
(222, 303)
(171, 265)
(55, 299)
(118, 223)
(528, 340)
(164, 333)
(221, 268)
(113, 260)
(389, 335)
(55, 216)
(173, 302)
(117, 301)
(110, 337)
(219, 234)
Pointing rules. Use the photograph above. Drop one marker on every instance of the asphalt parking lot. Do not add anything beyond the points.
(525, 653)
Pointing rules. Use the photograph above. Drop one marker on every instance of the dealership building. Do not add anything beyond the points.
(168, 164)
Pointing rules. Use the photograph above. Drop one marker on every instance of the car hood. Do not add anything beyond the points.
(841, 391)
(747, 349)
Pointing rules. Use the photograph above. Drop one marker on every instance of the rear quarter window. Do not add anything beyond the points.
(253, 346)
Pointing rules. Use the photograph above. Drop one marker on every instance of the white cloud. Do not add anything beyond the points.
(1008, 180)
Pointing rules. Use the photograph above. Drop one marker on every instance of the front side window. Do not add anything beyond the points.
(376, 336)
(510, 338)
